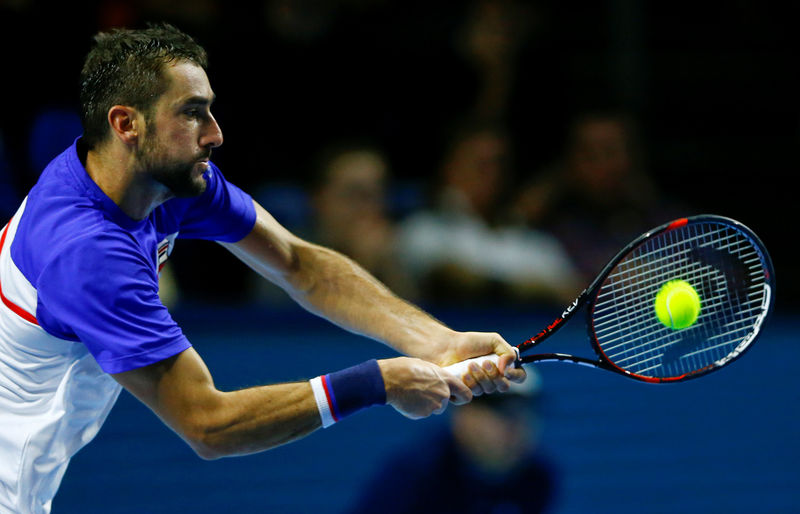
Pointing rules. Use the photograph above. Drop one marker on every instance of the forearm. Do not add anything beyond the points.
(333, 286)
(253, 420)
(260, 418)
(181, 391)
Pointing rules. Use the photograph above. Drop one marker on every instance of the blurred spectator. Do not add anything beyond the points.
(487, 459)
(516, 57)
(598, 197)
(461, 249)
(490, 39)
(351, 213)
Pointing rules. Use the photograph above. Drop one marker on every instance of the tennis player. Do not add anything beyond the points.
(80, 316)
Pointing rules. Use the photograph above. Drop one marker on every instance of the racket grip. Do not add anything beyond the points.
(459, 368)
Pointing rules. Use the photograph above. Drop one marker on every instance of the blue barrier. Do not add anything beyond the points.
(724, 443)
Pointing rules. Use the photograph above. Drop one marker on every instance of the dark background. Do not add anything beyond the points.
(713, 86)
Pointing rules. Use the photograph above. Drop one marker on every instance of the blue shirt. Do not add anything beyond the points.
(79, 300)
(95, 270)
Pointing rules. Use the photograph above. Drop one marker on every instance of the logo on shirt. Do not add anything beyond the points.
(165, 249)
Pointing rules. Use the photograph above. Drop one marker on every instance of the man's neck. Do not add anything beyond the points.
(115, 174)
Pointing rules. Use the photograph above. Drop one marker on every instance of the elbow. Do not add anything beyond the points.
(204, 446)
(206, 438)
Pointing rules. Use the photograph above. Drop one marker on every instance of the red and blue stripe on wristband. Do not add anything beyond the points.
(348, 391)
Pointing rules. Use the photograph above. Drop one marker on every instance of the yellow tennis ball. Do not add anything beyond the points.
(677, 304)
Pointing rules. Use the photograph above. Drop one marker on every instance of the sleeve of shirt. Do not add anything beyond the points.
(102, 291)
(222, 213)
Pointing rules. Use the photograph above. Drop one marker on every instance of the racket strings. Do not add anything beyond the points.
(724, 266)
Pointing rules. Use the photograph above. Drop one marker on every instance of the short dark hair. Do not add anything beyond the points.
(125, 67)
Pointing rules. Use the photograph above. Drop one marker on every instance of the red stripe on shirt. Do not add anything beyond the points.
(19, 311)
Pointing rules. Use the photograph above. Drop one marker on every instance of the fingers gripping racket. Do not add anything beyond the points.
(723, 261)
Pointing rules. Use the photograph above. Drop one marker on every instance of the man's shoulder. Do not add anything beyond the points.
(61, 217)
(64, 205)
(64, 227)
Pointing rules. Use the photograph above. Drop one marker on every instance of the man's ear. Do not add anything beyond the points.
(126, 123)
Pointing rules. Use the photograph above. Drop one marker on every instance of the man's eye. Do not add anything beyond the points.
(196, 113)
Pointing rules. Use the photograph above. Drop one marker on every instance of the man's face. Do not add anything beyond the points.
(180, 132)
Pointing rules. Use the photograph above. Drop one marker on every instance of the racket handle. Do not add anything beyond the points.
(459, 368)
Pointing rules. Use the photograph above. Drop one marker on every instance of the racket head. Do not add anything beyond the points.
(723, 260)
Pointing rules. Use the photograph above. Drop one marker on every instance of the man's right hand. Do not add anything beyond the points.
(417, 388)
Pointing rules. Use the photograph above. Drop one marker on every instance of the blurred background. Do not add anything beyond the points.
(483, 158)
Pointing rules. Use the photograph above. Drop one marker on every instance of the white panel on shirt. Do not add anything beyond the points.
(53, 397)
(15, 286)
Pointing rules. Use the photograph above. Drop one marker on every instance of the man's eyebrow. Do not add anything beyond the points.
(199, 100)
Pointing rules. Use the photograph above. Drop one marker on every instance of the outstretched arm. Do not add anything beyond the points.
(180, 390)
(331, 285)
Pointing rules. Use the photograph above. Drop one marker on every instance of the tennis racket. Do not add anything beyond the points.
(724, 261)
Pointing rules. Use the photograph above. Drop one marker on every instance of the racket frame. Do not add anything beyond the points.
(589, 295)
